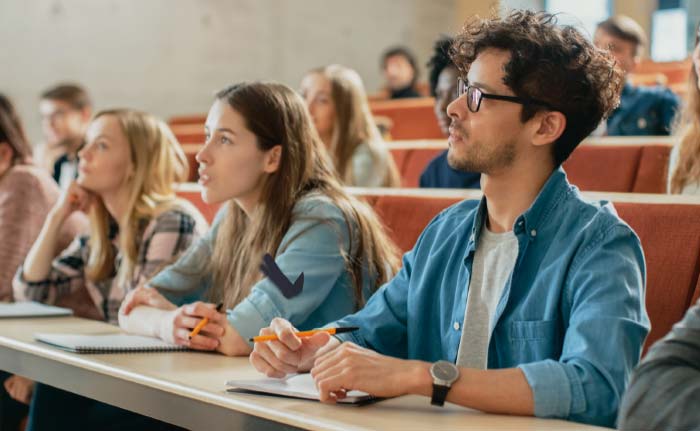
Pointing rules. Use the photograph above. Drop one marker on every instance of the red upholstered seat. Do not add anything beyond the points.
(411, 163)
(411, 118)
(607, 168)
(670, 236)
(653, 169)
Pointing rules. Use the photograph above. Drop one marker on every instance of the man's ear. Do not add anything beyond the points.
(273, 158)
(551, 126)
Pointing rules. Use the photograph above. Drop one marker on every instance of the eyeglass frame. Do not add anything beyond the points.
(463, 88)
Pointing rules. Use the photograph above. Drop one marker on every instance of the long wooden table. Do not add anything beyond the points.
(188, 389)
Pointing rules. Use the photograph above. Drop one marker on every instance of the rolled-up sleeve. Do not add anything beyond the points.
(603, 342)
(188, 278)
(665, 388)
(66, 276)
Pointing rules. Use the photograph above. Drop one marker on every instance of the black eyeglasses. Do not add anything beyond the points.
(475, 96)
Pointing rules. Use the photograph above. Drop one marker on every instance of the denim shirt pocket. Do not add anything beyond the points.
(535, 340)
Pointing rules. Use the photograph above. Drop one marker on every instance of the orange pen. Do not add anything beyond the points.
(203, 323)
(303, 334)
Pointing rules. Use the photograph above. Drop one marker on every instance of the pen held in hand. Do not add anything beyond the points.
(304, 334)
(203, 323)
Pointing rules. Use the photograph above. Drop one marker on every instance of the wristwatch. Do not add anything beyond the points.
(444, 373)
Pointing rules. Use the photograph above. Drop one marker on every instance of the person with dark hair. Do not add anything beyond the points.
(65, 110)
(444, 87)
(664, 389)
(400, 72)
(21, 220)
(530, 301)
(643, 110)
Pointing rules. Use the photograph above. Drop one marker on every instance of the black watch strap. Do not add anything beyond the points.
(439, 395)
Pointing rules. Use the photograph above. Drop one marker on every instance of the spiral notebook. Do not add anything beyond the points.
(107, 343)
(13, 310)
(294, 386)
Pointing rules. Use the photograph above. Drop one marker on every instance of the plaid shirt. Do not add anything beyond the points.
(163, 239)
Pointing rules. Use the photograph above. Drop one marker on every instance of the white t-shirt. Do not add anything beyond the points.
(494, 261)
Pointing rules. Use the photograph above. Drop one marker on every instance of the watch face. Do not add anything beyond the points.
(444, 370)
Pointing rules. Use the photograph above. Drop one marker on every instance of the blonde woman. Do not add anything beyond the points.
(684, 166)
(127, 171)
(338, 105)
(263, 157)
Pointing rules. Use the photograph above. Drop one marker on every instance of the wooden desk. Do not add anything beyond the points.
(188, 389)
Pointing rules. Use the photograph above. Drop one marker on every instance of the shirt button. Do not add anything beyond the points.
(533, 233)
(456, 326)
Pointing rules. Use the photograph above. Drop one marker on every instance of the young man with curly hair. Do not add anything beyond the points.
(530, 301)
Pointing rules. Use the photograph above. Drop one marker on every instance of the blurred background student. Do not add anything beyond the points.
(338, 105)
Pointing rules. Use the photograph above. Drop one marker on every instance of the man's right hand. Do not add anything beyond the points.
(291, 354)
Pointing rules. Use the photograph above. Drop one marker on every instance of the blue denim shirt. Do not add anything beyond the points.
(314, 244)
(643, 111)
(571, 317)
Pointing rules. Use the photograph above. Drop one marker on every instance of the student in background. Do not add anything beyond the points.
(127, 172)
(263, 158)
(338, 105)
(27, 193)
(684, 163)
(528, 302)
(642, 110)
(65, 110)
(444, 86)
(400, 70)
(664, 389)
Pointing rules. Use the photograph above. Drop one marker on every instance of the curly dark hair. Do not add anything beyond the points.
(551, 63)
(439, 61)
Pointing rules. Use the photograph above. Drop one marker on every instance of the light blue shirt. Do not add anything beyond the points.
(571, 316)
(313, 243)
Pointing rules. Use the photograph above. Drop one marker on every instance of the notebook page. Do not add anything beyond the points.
(297, 386)
(106, 342)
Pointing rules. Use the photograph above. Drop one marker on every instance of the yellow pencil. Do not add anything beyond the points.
(203, 323)
(303, 334)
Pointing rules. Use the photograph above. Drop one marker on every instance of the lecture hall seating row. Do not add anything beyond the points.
(406, 119)
(633, 165)
(629, 164)
(661, 221)
(415, 118)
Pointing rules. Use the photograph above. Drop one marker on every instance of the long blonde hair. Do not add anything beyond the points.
(158, 163)
(354, 126)
(687, 127)
(276, 115)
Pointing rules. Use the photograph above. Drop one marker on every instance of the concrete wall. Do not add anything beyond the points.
(169, 56)
(640, 11)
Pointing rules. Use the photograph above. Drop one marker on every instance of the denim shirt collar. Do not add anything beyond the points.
(529, 222)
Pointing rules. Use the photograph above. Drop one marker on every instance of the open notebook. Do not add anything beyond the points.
(107, 343)
(294, 386)
(11, 310)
